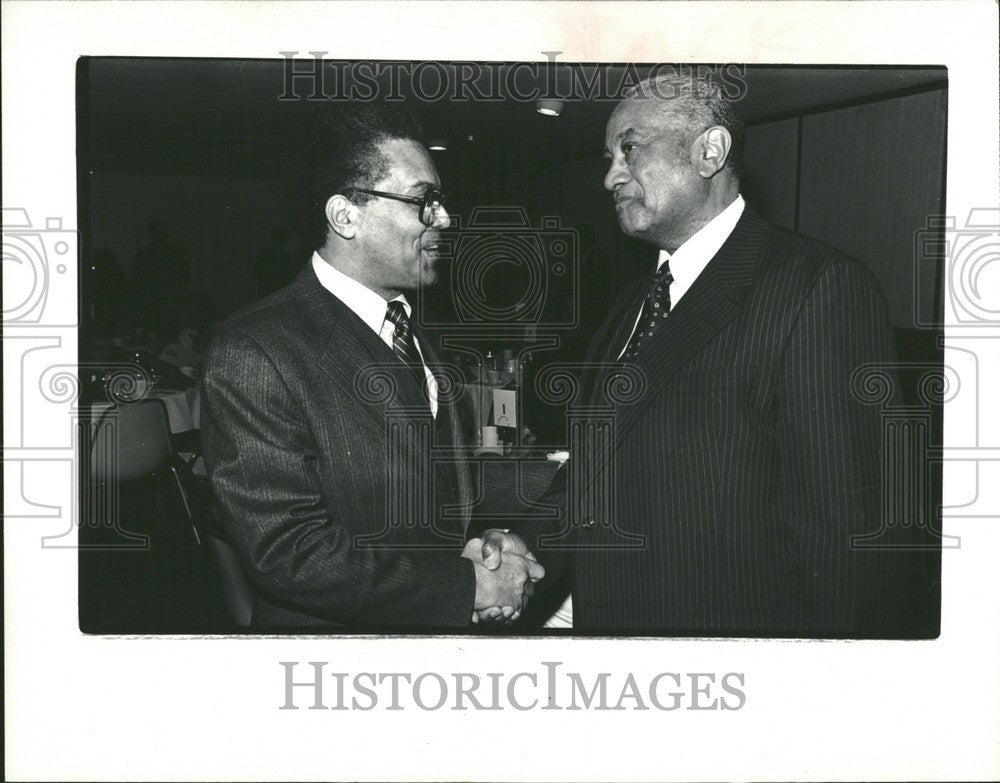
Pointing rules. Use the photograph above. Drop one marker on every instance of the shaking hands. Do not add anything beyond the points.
(505, 575)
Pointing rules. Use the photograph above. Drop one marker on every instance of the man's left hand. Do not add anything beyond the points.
(488, 550)
(496, 542)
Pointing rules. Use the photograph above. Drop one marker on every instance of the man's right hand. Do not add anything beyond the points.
(499, 543)
(509, 585)
(502, 589)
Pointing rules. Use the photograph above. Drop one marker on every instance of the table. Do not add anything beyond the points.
(183, 408)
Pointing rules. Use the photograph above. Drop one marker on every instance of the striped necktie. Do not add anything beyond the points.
(402, 341)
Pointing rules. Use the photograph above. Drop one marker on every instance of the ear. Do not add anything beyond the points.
(342, 216)
(713, 148)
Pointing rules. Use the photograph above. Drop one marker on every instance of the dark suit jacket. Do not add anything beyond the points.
(319, 442)
(723, 497)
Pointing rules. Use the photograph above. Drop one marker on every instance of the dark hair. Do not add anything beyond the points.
(699, 102)
(343, 153)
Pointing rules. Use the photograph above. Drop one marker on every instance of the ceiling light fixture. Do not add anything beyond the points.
(438, 145)
(549, 107)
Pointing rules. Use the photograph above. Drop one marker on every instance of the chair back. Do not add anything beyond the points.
(132, 440)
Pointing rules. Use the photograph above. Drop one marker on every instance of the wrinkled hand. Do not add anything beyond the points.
(496, 542)
(502, 588)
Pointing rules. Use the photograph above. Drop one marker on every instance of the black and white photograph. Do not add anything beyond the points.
(588, 453)
(617, 373)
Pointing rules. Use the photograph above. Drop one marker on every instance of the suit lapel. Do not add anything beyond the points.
(715, 299)
(348, 348)
(602, 354)
(448, 428)
(621, 330)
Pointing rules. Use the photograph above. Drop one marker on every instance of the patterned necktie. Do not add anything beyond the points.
(655, 308)
(402, 341)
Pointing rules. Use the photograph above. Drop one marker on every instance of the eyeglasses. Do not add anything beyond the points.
(431, 203)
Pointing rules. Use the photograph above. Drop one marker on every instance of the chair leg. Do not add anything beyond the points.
(187, 505)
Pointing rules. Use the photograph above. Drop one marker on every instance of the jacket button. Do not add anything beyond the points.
(588, 523)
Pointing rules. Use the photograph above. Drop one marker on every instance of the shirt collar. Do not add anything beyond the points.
(688, 261)
(365, 303)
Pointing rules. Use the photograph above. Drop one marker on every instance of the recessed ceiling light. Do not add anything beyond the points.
(438, 145)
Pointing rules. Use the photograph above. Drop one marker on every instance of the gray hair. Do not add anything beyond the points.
(695, 102)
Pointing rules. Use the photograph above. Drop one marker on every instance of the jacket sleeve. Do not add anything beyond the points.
(261, 456)
(830, 443)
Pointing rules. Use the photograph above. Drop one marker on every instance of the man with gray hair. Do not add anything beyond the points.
(730, 495)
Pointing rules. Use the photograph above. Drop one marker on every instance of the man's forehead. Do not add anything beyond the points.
(410, 164)
(637, 114)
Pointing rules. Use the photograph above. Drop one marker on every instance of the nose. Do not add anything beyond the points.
(441, 218)
(617, 174)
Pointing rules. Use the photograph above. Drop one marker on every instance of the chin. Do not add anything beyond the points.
(629, 227)
(628, 223)
(429, 277)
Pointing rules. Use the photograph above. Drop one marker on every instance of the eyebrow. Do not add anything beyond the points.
(620, 137)
(625, 133)
(424, 184)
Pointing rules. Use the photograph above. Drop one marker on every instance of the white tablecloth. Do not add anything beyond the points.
(183, 407)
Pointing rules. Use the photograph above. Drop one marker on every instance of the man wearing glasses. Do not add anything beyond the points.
(322, 411)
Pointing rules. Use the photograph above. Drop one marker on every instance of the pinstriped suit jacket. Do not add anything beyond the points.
(320, 476)
(726, 497)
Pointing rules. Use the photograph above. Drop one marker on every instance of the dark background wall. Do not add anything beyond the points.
(851, 156)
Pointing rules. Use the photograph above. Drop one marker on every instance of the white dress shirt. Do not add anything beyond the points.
(370, 308)
(691, 258)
